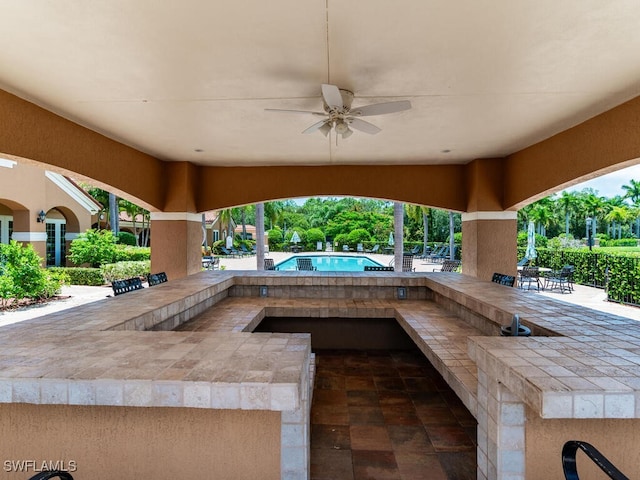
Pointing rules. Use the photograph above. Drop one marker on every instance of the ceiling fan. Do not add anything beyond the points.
(341, 117)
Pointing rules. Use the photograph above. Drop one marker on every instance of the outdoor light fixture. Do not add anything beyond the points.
(589, 223)
(41, 217)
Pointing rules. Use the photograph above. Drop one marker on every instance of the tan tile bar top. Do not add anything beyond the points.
(440, 335)
(591, 370)
(601, 352)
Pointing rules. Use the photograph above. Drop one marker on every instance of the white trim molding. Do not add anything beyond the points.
(506, 215)
(7, 163)
(72, 190)
(176, 216)
(29, 236)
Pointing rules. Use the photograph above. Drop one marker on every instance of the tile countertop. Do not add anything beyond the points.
(590, 370)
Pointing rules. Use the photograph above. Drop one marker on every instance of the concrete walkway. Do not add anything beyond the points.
(71, 296)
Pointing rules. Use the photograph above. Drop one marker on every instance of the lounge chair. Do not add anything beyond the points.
(304, 263)
(375, 249)
(245, 251)
(448, 266)
(523, 262)
(345, 248)
(439, 255)
(407, 263)
(269, 264)
(227, 252)
(502, 279)
(359, 248)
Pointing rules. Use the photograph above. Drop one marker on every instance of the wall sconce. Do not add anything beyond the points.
(41, 217)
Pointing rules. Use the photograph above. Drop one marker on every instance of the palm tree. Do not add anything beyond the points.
(273, 211)
(618, 215)
(593, 206)
(567, 204)
(417, 212)
(398, 226)
(452, 240)
(633, 192)
(226, 217)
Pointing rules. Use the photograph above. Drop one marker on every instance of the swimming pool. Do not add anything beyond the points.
(331, 263)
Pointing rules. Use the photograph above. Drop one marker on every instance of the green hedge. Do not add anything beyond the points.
(122, 270)
(618, 272)
(80, 275)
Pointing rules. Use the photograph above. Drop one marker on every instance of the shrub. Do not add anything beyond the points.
(622, 242)
(21, 275)
(126, 238)
(359, 235)
(314, 235)
(127, 253)
(80, 275)
(122, 270)
(94, 247)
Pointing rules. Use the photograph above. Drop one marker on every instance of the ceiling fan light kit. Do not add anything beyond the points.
(340, 117)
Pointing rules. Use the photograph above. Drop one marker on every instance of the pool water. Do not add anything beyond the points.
(331, 263)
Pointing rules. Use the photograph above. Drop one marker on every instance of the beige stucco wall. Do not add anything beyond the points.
(145, 443)
(25, 190)
(176, 247)
(617, 439)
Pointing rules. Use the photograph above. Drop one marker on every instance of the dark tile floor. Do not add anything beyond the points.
(387, 415)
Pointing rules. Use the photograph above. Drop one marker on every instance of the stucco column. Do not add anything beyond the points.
(489, 243)
(176, 243)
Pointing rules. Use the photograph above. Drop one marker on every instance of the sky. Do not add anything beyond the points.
(610, 185)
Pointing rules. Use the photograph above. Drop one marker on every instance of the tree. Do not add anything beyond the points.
(567, 204)
(420, 212)
(633, 192)
(618, 215)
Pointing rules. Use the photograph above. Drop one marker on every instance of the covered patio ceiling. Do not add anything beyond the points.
(189, 80)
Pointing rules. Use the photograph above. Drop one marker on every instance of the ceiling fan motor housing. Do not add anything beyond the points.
(347, 99)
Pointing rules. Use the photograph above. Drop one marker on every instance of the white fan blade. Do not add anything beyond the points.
(331, 95)
(317, 126)
(381, 108)
(363, 126)
(293, 111)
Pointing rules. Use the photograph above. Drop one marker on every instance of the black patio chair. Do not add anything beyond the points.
(570, 467)
(502, 279)
(305, 264)
(560, 280)
(448, 266)
(407, 263)
(269, 264)
(62, 475)
(530, 275)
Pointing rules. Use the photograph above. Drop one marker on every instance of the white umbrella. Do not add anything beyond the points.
(295, 238)
(531, 242)
(391, 242)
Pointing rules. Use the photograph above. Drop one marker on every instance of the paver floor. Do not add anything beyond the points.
(387, 415)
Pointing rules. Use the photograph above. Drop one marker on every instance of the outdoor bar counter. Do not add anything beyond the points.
(115, 389)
